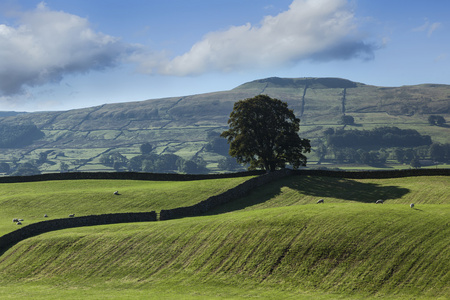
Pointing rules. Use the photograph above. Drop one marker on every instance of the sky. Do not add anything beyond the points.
(67, 54)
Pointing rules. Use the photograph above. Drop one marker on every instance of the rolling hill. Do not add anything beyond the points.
(180, 125)
(276, 243)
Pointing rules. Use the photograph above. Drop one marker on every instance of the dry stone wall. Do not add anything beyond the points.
(34, 229)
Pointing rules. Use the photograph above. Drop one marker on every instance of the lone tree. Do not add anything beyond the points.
(264, 133)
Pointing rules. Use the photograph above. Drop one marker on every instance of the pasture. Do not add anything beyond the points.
(276, 243)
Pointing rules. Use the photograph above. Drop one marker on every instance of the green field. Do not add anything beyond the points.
(276, 243)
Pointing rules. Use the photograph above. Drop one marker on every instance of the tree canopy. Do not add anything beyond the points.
(263, 132)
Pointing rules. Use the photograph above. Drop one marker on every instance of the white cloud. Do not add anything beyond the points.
(46, 45)
(309, 29)
(428, 27)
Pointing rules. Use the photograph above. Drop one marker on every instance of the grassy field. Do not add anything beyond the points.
(275, 243)
(32, 200)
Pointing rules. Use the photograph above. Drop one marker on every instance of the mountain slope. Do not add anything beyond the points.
(180, 124)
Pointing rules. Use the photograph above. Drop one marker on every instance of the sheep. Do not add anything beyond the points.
(320, 201)
(20, 220)
(71, 215)
(45, 216)
(19, 223)
(116, 193)
(15, 220)
(411, 205)
(379, 201)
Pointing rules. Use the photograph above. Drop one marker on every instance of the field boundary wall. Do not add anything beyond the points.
(125, 176)
(376, 174)
(34, 229)
(200, 208)
(238, 191)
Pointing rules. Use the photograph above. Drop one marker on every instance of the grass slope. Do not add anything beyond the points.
(31, 200)
(345, 248)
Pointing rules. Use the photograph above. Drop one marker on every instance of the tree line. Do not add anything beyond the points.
(154, 163)
(17, 136)
(376, 138)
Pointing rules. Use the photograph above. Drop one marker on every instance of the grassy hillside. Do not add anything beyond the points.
(274, 244)
(32, 200)
(180, 125)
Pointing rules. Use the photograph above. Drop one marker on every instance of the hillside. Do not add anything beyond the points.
(279, 246)
(180, 125)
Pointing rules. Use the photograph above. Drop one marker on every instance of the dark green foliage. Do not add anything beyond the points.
(63, 167)
(377, 138)
(191, 167)
(114, 159)
(440, 152)
(360, 156)
(166, 163)
(228, 164)
(415, 163)
(218, 145)
(26, 169)
(4, 167)
(16, 136)
(436, 120)
(264, 133)
(146, 148)
(347, 120)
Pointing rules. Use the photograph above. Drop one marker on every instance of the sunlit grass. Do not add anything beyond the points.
(277, 243)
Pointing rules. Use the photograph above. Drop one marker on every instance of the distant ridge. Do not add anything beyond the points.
(325, 82)
(10, 113)
(185, 125)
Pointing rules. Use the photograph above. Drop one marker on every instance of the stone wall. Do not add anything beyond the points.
(34, 229)
(232, 194)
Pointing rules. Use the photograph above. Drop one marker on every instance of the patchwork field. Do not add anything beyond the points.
(276, 243)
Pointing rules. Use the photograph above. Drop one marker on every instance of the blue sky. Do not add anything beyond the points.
(67, 54)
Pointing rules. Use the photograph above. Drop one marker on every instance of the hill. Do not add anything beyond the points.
(184, 125)
(274, 244)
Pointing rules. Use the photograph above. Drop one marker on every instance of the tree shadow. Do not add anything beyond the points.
(316, 186)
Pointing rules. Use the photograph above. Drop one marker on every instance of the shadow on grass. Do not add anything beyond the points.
(320, 187)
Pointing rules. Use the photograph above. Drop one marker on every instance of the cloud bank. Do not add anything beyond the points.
(309, 29)
(47, 45)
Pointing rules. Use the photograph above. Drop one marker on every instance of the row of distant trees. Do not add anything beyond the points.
(151, 162)
(375, 147)
(436, 153)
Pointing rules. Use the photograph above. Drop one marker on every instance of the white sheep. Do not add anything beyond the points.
(116, 193)
(411, 205)
(15, 220)
(71, 215)
(320, 201)
(379, 201)
(45, 216)
(19, 223)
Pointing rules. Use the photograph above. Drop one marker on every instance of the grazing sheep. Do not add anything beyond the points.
(15, 220)
(71, 215)
(379, 201)
(45, 216)
(20, 220)
(411, 205)
(19, 223)
(116, 193)
(320, 201)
